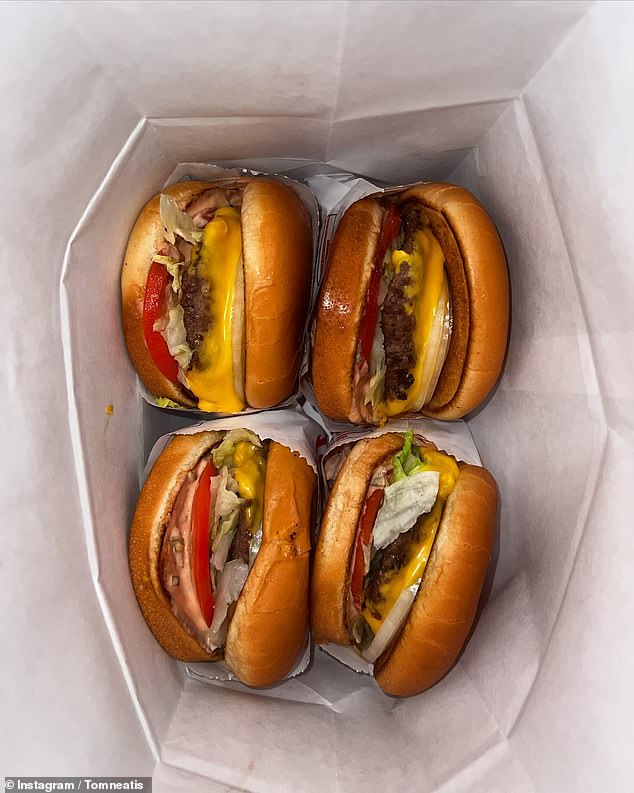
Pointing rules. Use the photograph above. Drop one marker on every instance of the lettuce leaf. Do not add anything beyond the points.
(165, 402)
(175, 221)
(175, 269)
(404, 501)
(224, 519)
(227, 505)
(172, 329)
(223, 453)
(407, 462)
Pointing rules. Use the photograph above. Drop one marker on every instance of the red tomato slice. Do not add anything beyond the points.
(370, 509)
(153, 309)
(389, 230)
(200, 543)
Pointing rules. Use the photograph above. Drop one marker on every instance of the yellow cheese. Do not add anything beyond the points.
(413, 569)
(212, 379)
(249, 473)
(427, 270)
(446, 466)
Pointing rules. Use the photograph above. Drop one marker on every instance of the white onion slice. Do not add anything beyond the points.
(445, 325)
(230, 584)
(255, 543)
(436, 348)
(392, 623)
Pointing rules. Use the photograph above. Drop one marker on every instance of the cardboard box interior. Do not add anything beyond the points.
(521, 103)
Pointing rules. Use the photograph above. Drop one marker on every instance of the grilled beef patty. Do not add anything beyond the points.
(396, 323)
(392, 558)
(195, 303)
(398, 337)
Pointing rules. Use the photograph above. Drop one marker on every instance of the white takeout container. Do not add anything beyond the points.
(528, 105)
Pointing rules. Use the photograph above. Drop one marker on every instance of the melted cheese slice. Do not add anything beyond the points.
(249, 472)
(427, 269)
(212, 379)
(412, 571)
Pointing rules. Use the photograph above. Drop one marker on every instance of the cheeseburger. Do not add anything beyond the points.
(401, 557)
(413, 312)
(219, 552)
(215, 286)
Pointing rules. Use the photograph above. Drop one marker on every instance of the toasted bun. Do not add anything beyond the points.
(268, 629)
(278, 253)
(445, 606)
(332, 564)
(145, 239)
(152, 515)
(478, 279)
(444, 609)
(340, 308)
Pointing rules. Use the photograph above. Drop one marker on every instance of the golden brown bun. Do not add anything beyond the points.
(340, 307)
(146, 538)
(146, 238)
(478, 278)
(332, 567)
(277, 252)
(445, 606)
(478, 275)
(278, 255)
(268, 629)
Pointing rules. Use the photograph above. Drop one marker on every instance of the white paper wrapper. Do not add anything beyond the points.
(288, 427)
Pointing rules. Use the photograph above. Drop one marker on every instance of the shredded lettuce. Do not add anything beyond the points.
(407, 462)
(227, 505)
(404, 501)
(172, 328)
(175, 221)
(166, 260)
(175, 269)
(165, 402)
(223, 453)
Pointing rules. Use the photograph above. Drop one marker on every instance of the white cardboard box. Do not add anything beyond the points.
(527, 104)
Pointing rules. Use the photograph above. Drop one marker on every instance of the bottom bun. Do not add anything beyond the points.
(146, 538)
(445, 606)
(337, 536)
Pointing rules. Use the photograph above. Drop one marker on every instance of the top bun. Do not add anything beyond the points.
(479, 282)
(278, 253)
(146, 238)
